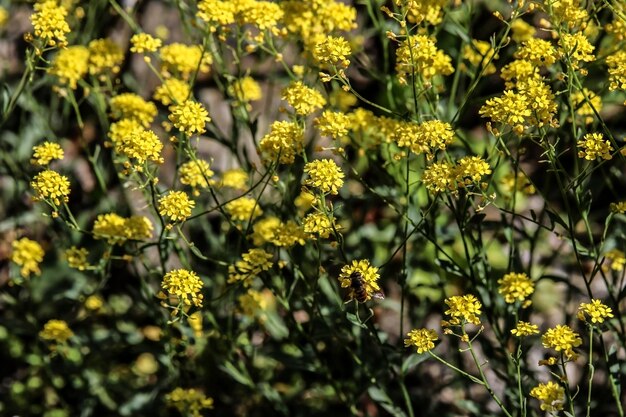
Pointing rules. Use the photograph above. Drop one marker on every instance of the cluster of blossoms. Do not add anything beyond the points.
(77, 258)
(319, 225)
(51, 186)
(304, 100)
(117, 229)
(418, 55)
(516, 287)
(176, 206)
(593, 146)
(27, 254)
(443, 176)
(422, 138)
(56, 331)
(46, 152)
(282, 234)
(325, 175)
(283, 142)
(250, 266)
(185, 285)
(189, 401)
(196, 174)
(369, 278)
(243, 209)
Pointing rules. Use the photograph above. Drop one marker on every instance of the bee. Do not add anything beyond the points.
(358, 289)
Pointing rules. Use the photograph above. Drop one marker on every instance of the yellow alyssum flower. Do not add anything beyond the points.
(422, 339)
(50, 24)
(319, 224)
(4, 17)
(522, 31)
(462, 309)
(144, 42)
(264, 230)
(333, 51)
(189, 401)
(524, 328)
(235, 178)
(593, 146)
(120, 130)
(185, 285)
(172, 91)
(196, 173)
(176, 205)
(551, 395)
(190, 117)
(252, 263)
(303, 99)
(56, 331)
(333, 124)
(596, 310)
(94, 302)
(142, 146)
(369, 274)
(46, 152)
(419, 11)
(587, 104)
(262, 14)
(283, 142)
(481, 53)
(70, 65)
(562, 339)
(419, 55)
(27, 254)
(518, 70)
(132, 106)
(243, 209)
(216, 12)
(325, 175)
(538, 51)
(615, 258)
(439, 177)
(50, 185)
(515, 287)
(245, 89)
(77, 258)
(184, 60)
(105, 55)
(618, 207)
(253, 304)
(576, 48)
(289, 234)
(117, 229)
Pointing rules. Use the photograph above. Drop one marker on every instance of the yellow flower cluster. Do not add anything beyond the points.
(143, 42)
(481, 53)
(56, 331)
(516, 287)
(618, 207)
(245, 89)
(27, 254)
(576, 48)
(46, 152)
(443, 176)
(551, 395)
(235, 178)
(141, 146)
(132, 106)
(325, 175)
(172, 91)
(462, 309)
(252, 263)
(195, 174)
(522, 31)
(190, 117)
(217, 12)
(538, 52)
(587, 104)
(243, 209)
(50, 24)
(77, 258)
(422, 339)
(253, 304)
(419, 11)
(562, 339)
(319, 224)
(524, 328)
(593, 146)
(117, 229)
(104, 55)
(419, 55)
(334, 124)
(283, 142)
(303, 99)
(567, 12)
(423, 138)
(272, 230)
(616, 259)
(184, 285)
(617, 70)
(369, 274)
(189, 401)
(70, 65)
(52, 186)
(596, 311)
(332, 52)
(183, 60)
(310, 19)
(176, 205)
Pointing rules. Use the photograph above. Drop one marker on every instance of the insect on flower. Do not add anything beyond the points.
(358, 289)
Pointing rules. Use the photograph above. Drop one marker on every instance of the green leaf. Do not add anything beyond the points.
(240, 376)
(412, 361)
(385, 402)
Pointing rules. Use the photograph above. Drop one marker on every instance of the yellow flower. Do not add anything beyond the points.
(142, 145)
(522, 31)
(422, 339)
(587, 107)
(245, 89)
(172, 91)
(50, 24)
(253, 304)
(463, 308)
(195, 322)
(132, 106)
(576, 48)
(617, 70)
(282, 143)
(439, 177)
(263, 231)
(334, 124)
(551, 395)
(27, 254)
(481, 53)
(262, 14)
(184, 60)
(70, 65)
(419, 55)
(538, 51)
(56, 331)
(189, 117)
(524, 328)
(105, 55)
(319, 224)
(217, 12)
(77, 258)
(562, 339)
(251, 265)
(333, 51)
(117, 229)
(369, 274)
(594, 146)
(419, 11)
(176, 205)
(185, 285)
(195, 174)
(618, 207)
(518, 70)
(288, 234)
(325, 175)
(243, 209)
(143, 42)
(118, 131)
(189, 401)
(4, 17)
(94, 302)
(515, 287)
(595, 310)
(235, 178)
(303, 99)
(46, 152)
(50, 185)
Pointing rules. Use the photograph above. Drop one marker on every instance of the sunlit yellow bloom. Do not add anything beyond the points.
(185, 285)
(56, 331)
(422, 339)
(27, 254)
(46, 152)
(596, 311)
